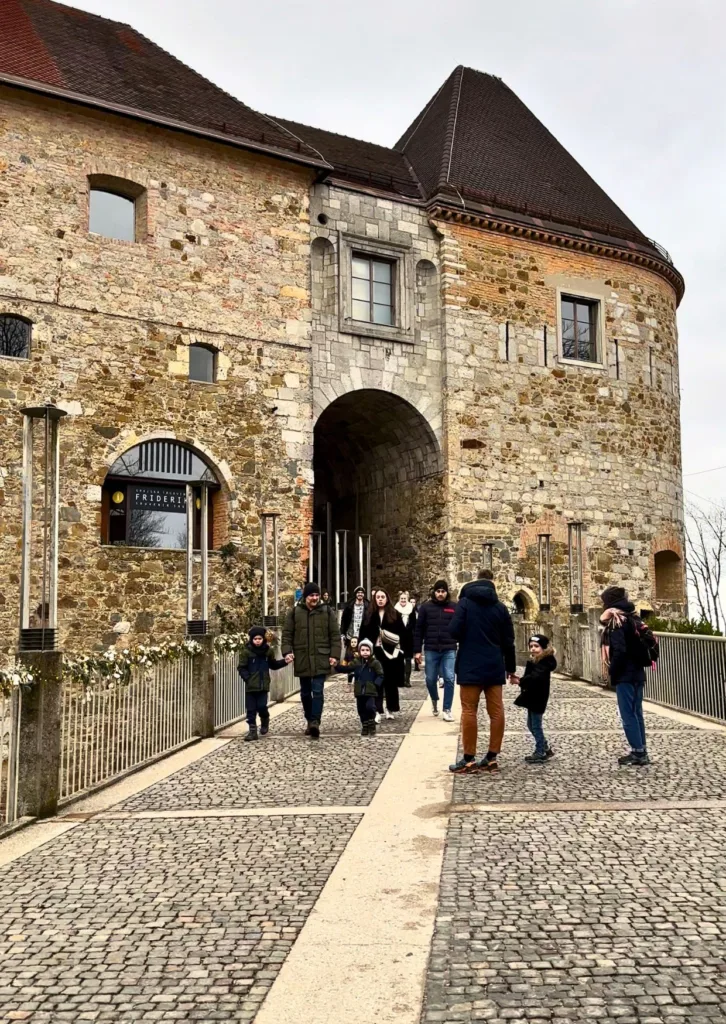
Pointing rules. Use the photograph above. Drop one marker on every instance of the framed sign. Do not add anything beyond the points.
(160, 499)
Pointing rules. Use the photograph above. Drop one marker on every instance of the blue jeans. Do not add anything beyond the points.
(630, 705)
(312, 696)
(441, 663)
(534, 724)
(256, 704)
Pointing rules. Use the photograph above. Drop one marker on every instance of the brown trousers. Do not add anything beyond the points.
(469, 696)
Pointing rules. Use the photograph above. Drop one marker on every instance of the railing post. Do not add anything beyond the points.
(39, 742)
(203, 687)
(576, 641)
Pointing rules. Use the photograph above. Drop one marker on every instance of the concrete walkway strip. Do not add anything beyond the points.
(233, 812)
(568, 806)
(362, 955)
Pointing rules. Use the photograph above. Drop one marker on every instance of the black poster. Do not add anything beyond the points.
(160, 499)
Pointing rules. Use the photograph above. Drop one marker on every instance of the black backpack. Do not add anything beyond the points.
(642, 645)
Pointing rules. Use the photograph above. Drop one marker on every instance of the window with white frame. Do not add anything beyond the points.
(372, 298)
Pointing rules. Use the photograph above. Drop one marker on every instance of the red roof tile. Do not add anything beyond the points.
(110, 62)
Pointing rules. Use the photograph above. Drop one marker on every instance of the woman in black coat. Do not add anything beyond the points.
(384, 627)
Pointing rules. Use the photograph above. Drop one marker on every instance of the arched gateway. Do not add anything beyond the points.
(379, 475)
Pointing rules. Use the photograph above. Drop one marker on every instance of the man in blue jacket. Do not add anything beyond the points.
(486, 659)
(433, 633)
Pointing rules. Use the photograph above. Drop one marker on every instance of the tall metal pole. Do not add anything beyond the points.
(320, 557)
(190, 552)
(361, 575)
(311, 543)
(329, 546)
(204, 548)
(263, 522)
(54, 517)
(274, 560)
(27, 521)
(345, 566)
(369, 582)
(337, 569)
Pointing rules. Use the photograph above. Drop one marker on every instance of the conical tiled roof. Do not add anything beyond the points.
(477, 138)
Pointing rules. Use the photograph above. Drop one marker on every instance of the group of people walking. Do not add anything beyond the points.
(470, 642)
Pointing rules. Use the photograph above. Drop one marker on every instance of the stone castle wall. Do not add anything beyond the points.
(446, 441)
(533, 444)
(224, 262)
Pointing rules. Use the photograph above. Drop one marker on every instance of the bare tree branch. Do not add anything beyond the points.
(706, 558)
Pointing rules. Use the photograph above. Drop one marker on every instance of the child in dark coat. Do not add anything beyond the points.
(255, 661)
(367, 676)
(535, 687)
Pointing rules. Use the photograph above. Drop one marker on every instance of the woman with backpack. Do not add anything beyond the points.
(628, 647)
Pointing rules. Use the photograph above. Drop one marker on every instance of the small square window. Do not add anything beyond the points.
(580, 320)
(112, 215)
(372, 290)
(14, 336)
(202, 363)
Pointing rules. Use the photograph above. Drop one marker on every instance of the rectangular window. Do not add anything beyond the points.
(576, 567)
(580, 320)
(488, 557)
(372, 290)
(544, 572)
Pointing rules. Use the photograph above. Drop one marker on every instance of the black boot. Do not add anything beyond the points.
(251, 734)
(314, 730)
(264, 725)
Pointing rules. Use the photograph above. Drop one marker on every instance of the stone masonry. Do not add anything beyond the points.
(457, 428)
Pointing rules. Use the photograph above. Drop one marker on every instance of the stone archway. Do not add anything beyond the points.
(379, 472)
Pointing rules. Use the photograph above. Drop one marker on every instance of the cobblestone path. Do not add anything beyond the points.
(578, 890)
(569, 892)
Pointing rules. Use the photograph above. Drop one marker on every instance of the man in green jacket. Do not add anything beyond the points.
(311, 638)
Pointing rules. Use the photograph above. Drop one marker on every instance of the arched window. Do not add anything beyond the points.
(145, 496)
(668, 576)
(202, 363)
(15, 334)
(116, 208)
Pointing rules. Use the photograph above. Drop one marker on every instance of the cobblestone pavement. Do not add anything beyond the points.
(581, 916)
(277, 772)
(572, 915)
(147, 921)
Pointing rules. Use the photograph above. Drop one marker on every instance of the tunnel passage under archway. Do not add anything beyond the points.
(379, 472)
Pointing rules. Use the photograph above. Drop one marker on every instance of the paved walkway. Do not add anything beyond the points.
(355, 881)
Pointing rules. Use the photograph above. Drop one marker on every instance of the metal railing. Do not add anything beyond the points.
(106, 730)
(588, 655)
(10, 708)
(229, 689)
(690, 674)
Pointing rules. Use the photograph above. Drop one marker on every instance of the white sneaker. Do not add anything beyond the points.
(436, 706)
(387, 714)
(448, 717)
(378, 718)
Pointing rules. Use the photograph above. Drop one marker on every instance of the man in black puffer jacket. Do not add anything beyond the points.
(433, 632)
(627, 673)
(484, 629)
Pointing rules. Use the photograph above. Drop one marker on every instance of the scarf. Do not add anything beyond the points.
(405, 611)
(358, 610)
(611, 618)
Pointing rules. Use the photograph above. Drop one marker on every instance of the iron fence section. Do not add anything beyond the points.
(690, 674)
(10, 710)
(107, 730)
(229, 689)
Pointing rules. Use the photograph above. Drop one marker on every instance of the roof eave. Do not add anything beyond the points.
(55, 92)
(550, 232)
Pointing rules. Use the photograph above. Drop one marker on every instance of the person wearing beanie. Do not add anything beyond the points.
(367, 677)
(623, 659)
(254, 664)
(535, 693)
(311, 640)
(432, 634)
(486, 657)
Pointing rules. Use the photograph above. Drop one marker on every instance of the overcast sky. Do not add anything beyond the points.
(635, 90)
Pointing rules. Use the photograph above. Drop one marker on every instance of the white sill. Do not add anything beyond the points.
(16, 359)
(110, 238)
(136, 547)
(206, 383)
(580, 362)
